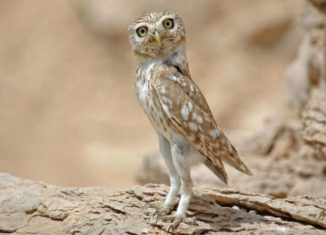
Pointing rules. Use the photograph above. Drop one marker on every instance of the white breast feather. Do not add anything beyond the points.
(142, 88)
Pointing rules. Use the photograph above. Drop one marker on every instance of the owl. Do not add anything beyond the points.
(177, 109)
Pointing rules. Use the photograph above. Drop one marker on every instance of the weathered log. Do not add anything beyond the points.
(28, 207)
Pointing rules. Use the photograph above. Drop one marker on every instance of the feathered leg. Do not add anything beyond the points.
(170, 200)
(181, 151)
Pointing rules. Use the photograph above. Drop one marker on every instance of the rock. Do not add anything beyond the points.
(308, 71)
(276, 137)
(314, 123)
(33, 207)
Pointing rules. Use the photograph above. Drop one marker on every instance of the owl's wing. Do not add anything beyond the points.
(185, 106)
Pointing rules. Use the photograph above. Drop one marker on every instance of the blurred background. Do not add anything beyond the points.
(69, 114)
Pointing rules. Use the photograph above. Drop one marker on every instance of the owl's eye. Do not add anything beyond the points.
(168, 23)
(142, 31)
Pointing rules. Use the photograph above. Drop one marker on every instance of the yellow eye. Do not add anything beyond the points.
(168, 23)
(142, 31)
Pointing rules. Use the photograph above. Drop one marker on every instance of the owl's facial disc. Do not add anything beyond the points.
(157, 34)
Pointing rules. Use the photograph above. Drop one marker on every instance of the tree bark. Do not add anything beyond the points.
(28, 207)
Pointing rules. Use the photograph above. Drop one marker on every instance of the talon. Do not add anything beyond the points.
(175, 219)
(162, 210)
(170, 229)
(158, 215)
(159, 211)
(155, 215)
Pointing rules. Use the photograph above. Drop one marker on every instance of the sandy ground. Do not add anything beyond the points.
(68, 110)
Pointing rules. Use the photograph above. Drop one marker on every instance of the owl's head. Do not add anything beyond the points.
(156, 34)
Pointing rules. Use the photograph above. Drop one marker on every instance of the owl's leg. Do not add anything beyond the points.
(171, 198)
(181, 151)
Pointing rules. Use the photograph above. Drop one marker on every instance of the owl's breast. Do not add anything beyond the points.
(151, 104)
(142, 91)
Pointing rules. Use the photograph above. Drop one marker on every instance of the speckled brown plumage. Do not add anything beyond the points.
(176, 107)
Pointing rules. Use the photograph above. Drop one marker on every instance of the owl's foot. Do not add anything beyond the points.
(175, 221)
(163, 209)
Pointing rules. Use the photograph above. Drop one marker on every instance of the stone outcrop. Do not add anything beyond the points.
(28, 207)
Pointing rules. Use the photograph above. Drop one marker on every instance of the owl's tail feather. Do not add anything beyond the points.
(232, 159)
(240, 167)
(218, 171)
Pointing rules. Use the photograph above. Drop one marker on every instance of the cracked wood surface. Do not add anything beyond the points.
(28, 207)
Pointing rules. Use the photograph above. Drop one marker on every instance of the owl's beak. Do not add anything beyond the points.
(158, 38)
